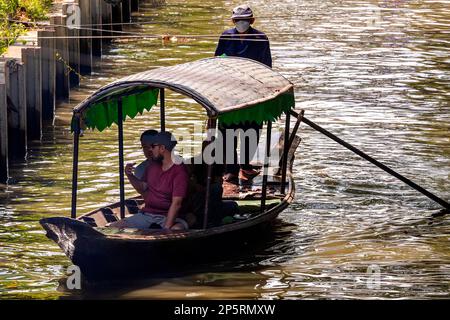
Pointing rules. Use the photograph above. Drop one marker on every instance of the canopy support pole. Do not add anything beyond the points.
(76, 140)
(121, 162)
(285, 152)
(212, 126)
(162, 105)
(266, 166)
(299, 117)
(291, 137)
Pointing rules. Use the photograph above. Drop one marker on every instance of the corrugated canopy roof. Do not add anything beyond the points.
(233, 89)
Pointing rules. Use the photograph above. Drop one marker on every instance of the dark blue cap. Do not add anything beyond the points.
(166, 139)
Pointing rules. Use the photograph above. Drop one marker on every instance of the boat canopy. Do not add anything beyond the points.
(232, 89)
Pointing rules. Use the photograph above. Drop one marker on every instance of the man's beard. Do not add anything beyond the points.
(159, 158)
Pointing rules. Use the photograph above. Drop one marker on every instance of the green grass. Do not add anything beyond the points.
(22, 10)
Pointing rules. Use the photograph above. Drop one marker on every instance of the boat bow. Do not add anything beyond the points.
(66, 232)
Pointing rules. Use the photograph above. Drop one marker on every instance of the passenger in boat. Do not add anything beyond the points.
(253, 44)
(146, 141)
(134, 174)
(164, 188)
(195, 204)
(197, 195)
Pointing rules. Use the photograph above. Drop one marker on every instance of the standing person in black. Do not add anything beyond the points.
(246, 42)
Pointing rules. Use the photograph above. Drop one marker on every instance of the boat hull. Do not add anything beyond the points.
(100, 257)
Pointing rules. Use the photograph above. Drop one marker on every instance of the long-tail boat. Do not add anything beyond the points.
(231, 90)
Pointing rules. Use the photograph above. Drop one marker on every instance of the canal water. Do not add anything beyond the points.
(376, 73)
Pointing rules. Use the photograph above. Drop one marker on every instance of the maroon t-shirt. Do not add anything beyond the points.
(163, 185)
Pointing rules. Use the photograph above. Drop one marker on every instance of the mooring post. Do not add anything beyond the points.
(86, 61)
(46, 42)
(17, 108)
(134, 5)
(106, 21)
(126, 11)
(31, 58)
(62, 90)
(3, 127)
(96, 26)
(70, 10)
(116, 17)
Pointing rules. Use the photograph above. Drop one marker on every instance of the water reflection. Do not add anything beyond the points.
(376, 73)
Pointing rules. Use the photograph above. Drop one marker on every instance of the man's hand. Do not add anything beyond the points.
(138, 185)
(129, 168)
(173, 212)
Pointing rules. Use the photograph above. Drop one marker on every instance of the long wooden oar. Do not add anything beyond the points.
(410, 183)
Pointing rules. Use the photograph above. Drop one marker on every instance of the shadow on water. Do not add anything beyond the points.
(215, 270)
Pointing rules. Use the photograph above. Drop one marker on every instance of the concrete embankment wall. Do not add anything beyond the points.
(38, 71)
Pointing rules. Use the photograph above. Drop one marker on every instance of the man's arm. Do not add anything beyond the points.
(173, 211)
(223, 43)
(138, 185)
(220, 47)
(266, 56)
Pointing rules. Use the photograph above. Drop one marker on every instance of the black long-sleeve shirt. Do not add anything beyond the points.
(258, 50)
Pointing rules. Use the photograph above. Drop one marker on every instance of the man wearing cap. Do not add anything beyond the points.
(245, 42)
(164, 187)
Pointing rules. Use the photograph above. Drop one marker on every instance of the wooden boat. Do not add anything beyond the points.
(230, 90)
